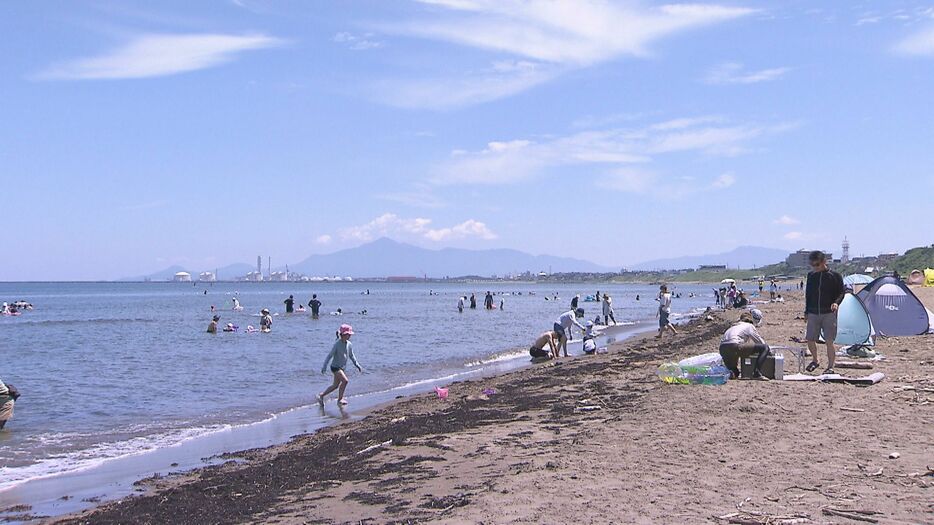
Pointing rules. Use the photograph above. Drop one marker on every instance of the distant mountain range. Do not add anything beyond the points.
(742, 257)
(385, 258)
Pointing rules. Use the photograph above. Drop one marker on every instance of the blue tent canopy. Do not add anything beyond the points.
(856, 278)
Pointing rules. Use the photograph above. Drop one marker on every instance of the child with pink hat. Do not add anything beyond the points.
(340, 353)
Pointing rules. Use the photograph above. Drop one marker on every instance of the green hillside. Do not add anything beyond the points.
(914, 259)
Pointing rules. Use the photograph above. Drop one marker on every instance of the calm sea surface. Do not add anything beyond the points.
(112, 369)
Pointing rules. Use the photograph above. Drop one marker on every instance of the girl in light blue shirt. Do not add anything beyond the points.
(340, 353)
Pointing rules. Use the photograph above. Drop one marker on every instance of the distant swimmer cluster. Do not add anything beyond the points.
(15, 308)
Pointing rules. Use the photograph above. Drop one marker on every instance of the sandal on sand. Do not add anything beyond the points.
(342, 401)
(812, 366)
(829, 371)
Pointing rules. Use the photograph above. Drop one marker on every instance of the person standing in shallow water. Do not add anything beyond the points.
(315, 306)
(473, 301)
(341, 352)
(7, 400)
(488, 301)
(289, 305)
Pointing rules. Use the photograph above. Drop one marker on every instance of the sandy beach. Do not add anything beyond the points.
(745, 452)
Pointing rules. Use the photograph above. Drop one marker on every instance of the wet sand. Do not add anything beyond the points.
(746, 452)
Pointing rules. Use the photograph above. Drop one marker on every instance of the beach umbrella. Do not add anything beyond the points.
(728, 281)
(856, 278)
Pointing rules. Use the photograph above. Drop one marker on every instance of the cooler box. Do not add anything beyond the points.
(773, 368)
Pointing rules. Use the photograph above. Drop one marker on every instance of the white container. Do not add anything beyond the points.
(779, 366)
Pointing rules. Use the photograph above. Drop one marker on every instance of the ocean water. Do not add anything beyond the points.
(108, 370)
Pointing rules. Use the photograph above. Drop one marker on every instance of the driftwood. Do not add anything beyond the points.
(852, 514)
(848, 409)
(851, 364)
(374, 447)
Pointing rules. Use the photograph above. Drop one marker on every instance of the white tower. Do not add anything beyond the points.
(846, 251)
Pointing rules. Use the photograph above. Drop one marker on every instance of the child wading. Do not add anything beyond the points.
(340, 353)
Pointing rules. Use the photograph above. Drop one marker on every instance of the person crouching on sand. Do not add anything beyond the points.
(550, 338)
(340, 353)
(743, 340)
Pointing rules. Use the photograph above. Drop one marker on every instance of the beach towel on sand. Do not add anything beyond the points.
(871, 379)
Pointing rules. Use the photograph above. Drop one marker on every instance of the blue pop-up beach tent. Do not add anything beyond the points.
(894, 308)
(854, 325)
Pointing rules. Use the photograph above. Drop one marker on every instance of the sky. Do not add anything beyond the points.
(139, 135)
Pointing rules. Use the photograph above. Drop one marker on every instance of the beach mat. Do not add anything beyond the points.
(871, 379)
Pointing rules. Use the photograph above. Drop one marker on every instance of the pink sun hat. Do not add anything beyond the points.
(346, 329)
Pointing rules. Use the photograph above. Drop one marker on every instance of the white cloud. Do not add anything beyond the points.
(543, 38)
(391, 225)
(724, 181)
(323, 239)
(155, 55)
(734, 73)
(449, 92)
(920, 43)
(511, 161)
(569, 32)
(357, 42)
(786, 220)
(628, 180)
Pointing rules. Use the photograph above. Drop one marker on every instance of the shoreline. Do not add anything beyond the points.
(84, 489)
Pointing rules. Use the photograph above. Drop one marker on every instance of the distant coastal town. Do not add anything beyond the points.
(794, 266)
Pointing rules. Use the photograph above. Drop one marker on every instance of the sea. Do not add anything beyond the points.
(115, 373)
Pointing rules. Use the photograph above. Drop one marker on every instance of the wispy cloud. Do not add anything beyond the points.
(724, 181)
(786, 220)
(421, 197)
(543, 39)
(358, 42)
(324, 239)
(734, 73)
(391, 225)
(793, 236)
(155, 55)
(920, 43)
(606, 151)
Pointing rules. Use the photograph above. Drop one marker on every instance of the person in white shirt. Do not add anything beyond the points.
(563, 325)
(460, 304)
(664, 311)
(608, 314)
(743, 340)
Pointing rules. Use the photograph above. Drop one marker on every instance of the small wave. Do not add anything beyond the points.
(496, 358)
(96, 455)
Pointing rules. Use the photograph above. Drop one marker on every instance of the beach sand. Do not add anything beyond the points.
(751, 451)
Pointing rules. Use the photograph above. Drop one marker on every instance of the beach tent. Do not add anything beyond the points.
(915, 277)
(929, 277)
(728, 281)
(893, 308)
(854, 326)
(856, 278)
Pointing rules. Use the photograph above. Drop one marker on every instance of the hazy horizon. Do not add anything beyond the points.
(145, 135)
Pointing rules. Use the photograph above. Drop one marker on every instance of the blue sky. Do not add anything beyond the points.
(137, 136)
